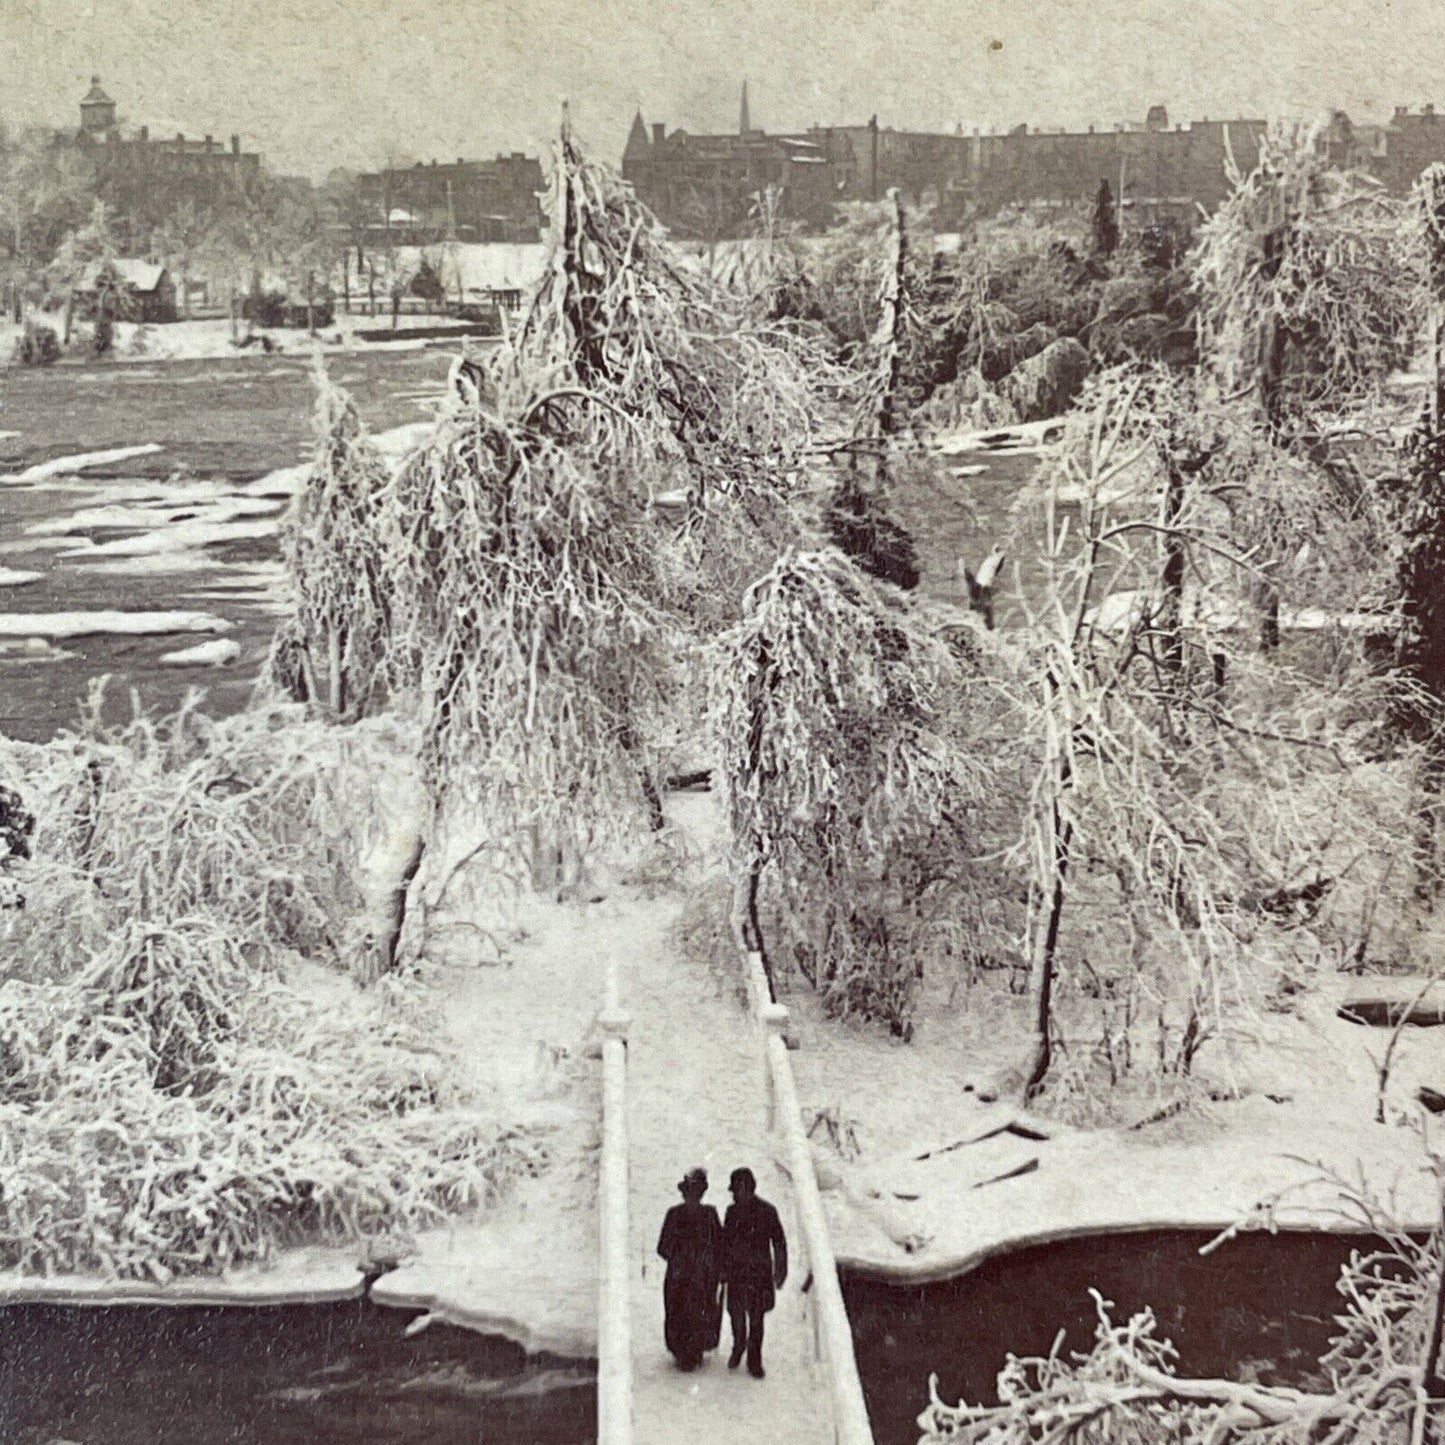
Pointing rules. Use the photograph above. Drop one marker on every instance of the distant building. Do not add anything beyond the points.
(149, 287)
(496, 200)
(711, 186)
(704, 186)
(127, 158)
(1410, 142)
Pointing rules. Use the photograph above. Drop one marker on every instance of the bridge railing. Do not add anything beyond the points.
(832, 1333)
(614, 1303)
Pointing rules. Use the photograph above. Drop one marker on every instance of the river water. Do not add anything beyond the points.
(1260, 1307)
(181, 527)
(293, 1375)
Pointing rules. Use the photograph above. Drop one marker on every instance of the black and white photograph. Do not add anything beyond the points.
(722, 724)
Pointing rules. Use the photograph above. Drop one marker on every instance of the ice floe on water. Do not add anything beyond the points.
(178, 538)
(13, 577)
(158, 491)
(31, 649)
(121, 516)
(283, 482)
(69, 466)
(55, 626)
(153, 564)
(219, 652)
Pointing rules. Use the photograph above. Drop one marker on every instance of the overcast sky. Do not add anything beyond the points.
(316, 83)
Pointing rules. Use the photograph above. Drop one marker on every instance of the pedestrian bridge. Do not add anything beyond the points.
(720, 1094)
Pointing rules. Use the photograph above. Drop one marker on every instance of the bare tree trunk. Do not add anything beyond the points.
(1169, 624)
(1432, 1384)
(1271, 395)
(1045, 958)
(1054, 849)
(756, 940)
(890, 324)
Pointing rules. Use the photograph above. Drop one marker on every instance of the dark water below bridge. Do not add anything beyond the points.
(1260, 1308)
(287, 1375)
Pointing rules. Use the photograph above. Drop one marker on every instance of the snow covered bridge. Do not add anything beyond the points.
(718, 1093)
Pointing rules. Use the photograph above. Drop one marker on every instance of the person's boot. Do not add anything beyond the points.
(736, 1358)
(755, 1369)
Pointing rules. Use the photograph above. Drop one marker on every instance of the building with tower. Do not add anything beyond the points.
(132, 155)
(707, 187)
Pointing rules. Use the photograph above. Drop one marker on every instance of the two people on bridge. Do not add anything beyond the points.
(743, 1258)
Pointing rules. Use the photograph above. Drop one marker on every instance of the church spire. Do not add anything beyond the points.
(637, 143)
(744, 125)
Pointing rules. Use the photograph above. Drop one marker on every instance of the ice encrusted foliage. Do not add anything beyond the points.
(543, 611)
(190, 1078)
(333, 649)
(1307, 293)
(845, 778)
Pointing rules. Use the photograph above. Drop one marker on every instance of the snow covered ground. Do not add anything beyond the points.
(212, 338)
(943, 1167)
(949, 1172)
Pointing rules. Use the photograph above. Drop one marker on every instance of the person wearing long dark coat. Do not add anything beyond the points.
(755, 1264)
(691, 1243)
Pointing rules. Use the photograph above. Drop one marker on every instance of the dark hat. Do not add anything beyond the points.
(741, 1176)
(694, 1178)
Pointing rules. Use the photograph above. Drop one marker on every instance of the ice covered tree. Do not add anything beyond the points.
(1419, 504)
(846, 780)
(545, 608)
(1185, 792)
(339, 555)
(1307, 301)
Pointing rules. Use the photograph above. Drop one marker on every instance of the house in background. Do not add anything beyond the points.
(150, 290)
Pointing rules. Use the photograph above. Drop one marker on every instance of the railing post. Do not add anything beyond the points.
(614, 1303)
(835, 1335)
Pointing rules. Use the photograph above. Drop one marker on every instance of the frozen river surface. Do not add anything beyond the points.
(131, 488)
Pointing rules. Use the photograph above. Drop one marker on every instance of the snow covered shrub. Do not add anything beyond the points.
(190, 1073)
(164, 1113)
(845, 780)
(256, 824)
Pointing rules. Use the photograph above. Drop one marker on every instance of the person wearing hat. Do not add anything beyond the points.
(755, 1264)
(691, 1243)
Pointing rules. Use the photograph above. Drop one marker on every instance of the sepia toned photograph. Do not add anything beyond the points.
(722, 724)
